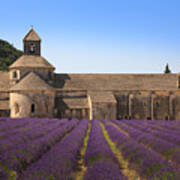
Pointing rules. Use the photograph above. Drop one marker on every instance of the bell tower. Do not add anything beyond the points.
(32, 43)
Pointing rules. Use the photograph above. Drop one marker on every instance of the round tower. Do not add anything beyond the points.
(31, 77)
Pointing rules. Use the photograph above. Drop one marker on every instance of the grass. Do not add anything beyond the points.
(82, 168)
(129, 173)
(12, 175)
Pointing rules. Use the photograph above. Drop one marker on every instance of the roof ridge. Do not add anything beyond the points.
(31, 81)
(32, 36)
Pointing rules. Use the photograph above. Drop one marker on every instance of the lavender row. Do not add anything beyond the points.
(164, 126)
(61, 161)
(147, 163)
(14, 125)
(10, 123)
(7, 144)
(22, 155)
(28, 135)
(175, 139)
(100, 160)
(27, 126)
(168, 150)
(174, 125)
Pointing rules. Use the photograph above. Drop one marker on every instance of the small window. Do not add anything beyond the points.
(148, 118)
(32, 108)
(14, 74)
(49, 75)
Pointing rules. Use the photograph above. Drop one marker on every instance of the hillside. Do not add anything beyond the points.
(8, 54)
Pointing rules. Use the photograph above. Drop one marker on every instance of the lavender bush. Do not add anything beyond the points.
(170, 151)
(100, 160)
(25, 134)
(104, 170)
(61, 161)
(146, 162)
(23, 154)
(173, 137)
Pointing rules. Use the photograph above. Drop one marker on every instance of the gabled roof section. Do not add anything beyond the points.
(28, 61)
(32, 36)
(31, 82)
(76, 103)
(102, 97)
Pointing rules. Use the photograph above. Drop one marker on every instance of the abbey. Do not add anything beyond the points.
(31, 88)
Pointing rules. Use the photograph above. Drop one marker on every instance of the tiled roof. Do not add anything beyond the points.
(102, 97)
(31, 82)
(4, 105)
(4, 81)
(28, 61)
(32, 36)
(76, 103)
(108, 82)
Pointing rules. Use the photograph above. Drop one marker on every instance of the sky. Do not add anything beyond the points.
(98, 36)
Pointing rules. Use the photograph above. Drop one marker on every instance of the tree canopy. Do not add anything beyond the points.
(167, 70)
(8, 54)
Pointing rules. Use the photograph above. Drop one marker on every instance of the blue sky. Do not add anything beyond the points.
(98, 36)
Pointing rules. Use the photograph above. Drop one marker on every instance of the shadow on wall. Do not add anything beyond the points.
(62, 107)
(60, 80)
(4, 113)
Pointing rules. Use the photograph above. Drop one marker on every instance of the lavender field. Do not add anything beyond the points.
(54, 149)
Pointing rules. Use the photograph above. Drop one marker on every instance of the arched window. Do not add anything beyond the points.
(32, 108)
(16, 108)
(14, 74)
(32, 48)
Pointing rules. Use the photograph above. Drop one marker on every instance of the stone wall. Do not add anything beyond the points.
(154, 105)
(21, 104)
(148, 105)
(141, 106)
(104, 111)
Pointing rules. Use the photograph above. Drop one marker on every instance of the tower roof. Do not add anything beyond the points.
(28, 61)
(32, 36)
(31, 82)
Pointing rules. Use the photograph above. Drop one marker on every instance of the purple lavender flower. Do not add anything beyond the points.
(100, 160)
(146, 162)
(23, 154)
(61, 161)
(104, 170)
(170, 151)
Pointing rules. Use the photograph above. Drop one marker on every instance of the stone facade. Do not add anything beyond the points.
(31, 88)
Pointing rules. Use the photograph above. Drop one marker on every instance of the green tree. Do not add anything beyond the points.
(8, 54)
(167, 70)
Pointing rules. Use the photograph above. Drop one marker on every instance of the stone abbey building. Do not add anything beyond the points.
(31, 88)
